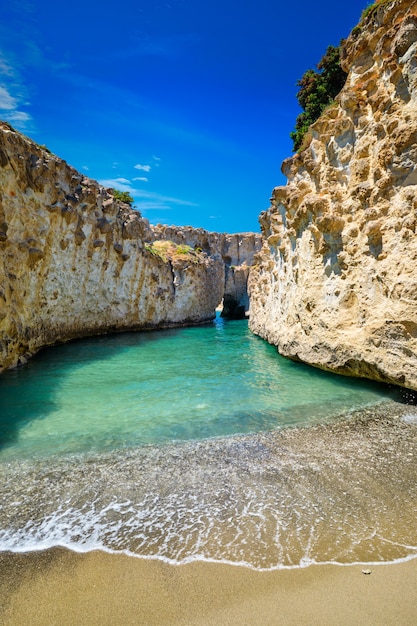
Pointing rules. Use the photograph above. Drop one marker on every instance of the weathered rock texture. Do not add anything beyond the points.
(74, 261)
(237, 252)
(336, 282)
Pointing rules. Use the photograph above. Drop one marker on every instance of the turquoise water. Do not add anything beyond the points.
(154, 387)
(203, 443)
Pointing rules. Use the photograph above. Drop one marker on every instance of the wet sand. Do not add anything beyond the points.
(59, 587)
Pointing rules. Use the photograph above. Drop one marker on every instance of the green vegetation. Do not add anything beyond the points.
(367, 10)
(154, 251)
(123, 196)
(367, 13)
(184, 249)
(167, 250)
(371, 8)
(317, 91)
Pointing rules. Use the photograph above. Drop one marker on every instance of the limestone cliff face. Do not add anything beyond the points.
(74, 261)
(237, 252)
(336, 283)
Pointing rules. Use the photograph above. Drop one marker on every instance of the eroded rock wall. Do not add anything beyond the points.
(74, 261)
(335, 284)
(237, 252)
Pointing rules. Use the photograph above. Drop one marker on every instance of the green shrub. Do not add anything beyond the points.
(367, 10)
(184, 249)
(317, 90)
(371, 8)
(123, 196)
(167, 250)
(158, 253)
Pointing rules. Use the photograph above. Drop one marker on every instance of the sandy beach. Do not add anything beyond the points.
(305, 489)
(59, 587)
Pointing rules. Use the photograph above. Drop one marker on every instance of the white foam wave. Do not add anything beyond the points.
(409, 418)
(87, 547)
(268, 502)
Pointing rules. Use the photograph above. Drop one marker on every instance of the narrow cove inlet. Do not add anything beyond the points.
(203, 443)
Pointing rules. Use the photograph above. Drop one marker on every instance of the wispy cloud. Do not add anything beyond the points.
(5, 68)
(119, 183)
(143, 178)
(157, 199)
(146, 168)
(152, 206)
(11, 96)
(7, 101)
(147, 200)
(171, 46)
(19, 117)
(156, 207)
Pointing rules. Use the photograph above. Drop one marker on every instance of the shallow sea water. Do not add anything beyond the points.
(203, 443)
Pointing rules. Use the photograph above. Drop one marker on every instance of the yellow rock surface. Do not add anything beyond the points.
(74, 261)
(335, 284)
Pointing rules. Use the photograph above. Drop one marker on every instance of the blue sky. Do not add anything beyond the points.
(186, 104)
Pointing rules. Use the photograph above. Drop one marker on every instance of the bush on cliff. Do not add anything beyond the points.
(371, 8)
(317, 90)
(123, 196)
(167, 250)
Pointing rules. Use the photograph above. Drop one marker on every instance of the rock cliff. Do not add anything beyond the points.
(75, 261)
(335, 284)
(237, 252)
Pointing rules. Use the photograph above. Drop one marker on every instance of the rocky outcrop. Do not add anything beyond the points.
(74, 261)
(335, 284)
(237, 252)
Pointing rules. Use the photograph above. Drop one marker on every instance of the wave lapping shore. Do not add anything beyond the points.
(344, 492)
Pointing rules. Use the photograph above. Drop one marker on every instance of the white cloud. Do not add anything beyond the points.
(155, 158)
(85, 167)
(11, 97)
(146, 200)
(158, 198)
(120, 183)
(151, 201)
(5, 68)
(18, 116)
(7, 101)
(143, 178)
(152, 206)
(145, 168)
